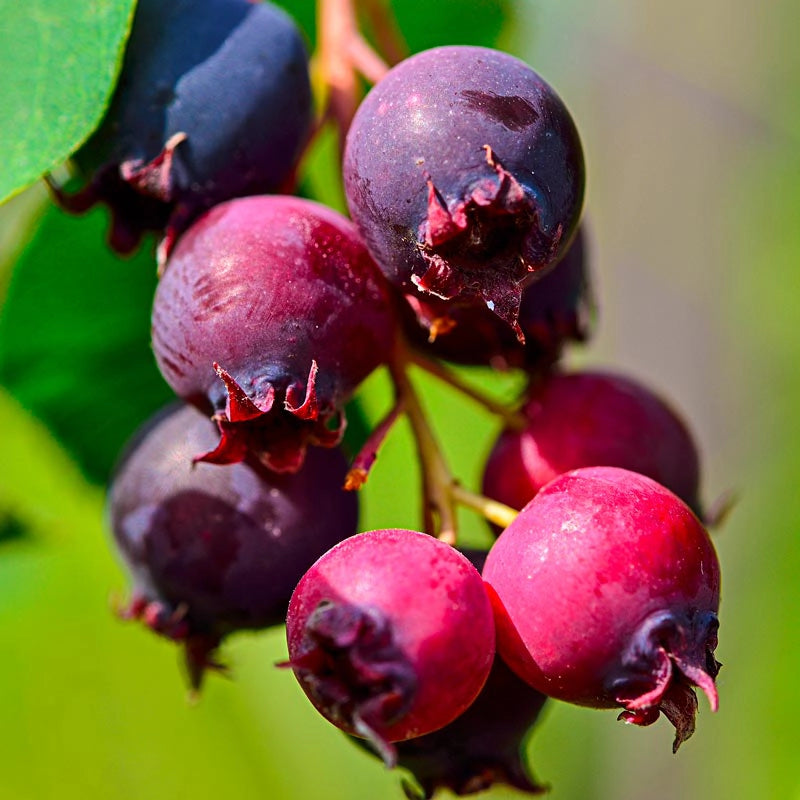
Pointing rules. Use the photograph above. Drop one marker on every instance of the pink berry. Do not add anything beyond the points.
(606, 591)
(593, 419)
(391, 635)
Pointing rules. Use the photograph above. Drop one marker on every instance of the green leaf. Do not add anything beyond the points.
(75, 338)
(59, 60)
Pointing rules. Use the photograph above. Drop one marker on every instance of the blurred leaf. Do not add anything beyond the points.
(58, 60)
(12, 528)
(75, 339)
(426, 24)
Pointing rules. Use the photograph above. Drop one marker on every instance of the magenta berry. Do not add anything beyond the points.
(214, 550)
(593, 419)
(464, 173)
(391, 635)
(555, 309)
(606, 592)
(213, 102)
(269, 314)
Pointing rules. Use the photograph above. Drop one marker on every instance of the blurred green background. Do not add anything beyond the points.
(690, 121)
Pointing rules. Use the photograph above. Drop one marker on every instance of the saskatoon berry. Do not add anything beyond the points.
(555, 308)
(215, 550)
(484, 745)
(592, 419)
(213, 102)
(391, 636)
(270, 312)
(464, 173)
(606, 591)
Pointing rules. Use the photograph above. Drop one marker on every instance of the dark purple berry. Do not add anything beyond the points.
(464, 173)
(593, 419)
(606, 592)
(555, 308)
(391, 636)
(484, 745)
(214, 550)
(270, 312)
(213, 102)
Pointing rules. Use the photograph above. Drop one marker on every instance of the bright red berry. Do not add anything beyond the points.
(391, 635)
(593, 419)
(606, 591)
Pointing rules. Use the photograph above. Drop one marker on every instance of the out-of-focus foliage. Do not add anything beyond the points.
(75, 338)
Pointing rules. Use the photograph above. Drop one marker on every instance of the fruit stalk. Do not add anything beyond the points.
(441, 491)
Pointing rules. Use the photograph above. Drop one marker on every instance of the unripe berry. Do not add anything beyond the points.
(606, 591)
(588, 419)
(391, 635)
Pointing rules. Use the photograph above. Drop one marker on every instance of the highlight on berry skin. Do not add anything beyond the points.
(606, 593)
(210, 550)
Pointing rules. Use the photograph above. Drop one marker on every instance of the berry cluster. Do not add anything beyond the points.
(237, 508)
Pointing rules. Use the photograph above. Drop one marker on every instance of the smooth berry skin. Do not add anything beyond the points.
(229, 79)
(464, 173)
(606, 592)
(556, 309)
(269, 314)
(391, 635)
(213, 550)
(587, 419)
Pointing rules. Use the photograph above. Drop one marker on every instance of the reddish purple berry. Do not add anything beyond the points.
(268, 316)
(606, 591)
(481, 747)
(464, 173)
(593, 419)
(213, 102)
(214, 550)
(556, 308)
(391, 635)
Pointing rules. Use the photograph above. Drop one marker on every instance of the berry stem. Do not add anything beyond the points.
(362, 463)
(498, 513)
(512, 417)
(441, 491)
(344, 54)
(385, 30)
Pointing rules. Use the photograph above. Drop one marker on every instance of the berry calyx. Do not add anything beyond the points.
(555, 308)
(391, 636)
(606, 592)
(269, 314)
